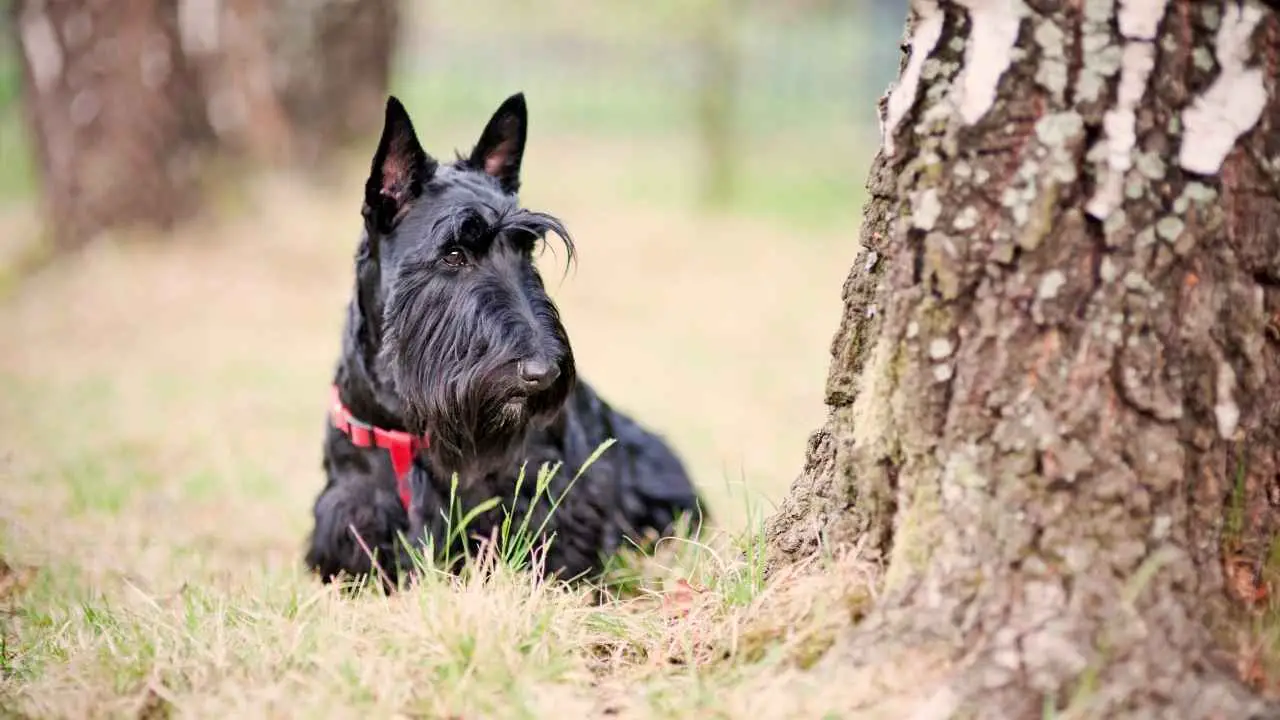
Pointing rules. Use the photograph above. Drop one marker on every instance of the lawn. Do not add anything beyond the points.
(162, 400)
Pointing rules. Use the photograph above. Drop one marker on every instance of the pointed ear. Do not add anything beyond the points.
(400, 169)
(501, 145)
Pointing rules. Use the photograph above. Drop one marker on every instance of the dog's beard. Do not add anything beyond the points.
(452, 355)
(477, 424)
(458, 385)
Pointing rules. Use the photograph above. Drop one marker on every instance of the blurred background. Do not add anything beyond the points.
(179, 201)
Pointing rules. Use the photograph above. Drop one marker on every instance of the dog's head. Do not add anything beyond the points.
(466, 333)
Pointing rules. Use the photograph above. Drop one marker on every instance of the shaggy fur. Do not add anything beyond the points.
(450, 332)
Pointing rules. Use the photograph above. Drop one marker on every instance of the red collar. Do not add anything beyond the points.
(402, 445)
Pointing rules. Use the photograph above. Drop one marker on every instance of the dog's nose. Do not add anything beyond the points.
(538, 375)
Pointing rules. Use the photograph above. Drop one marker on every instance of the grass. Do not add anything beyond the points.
(161, 401)
(492, 644)
(160, 404)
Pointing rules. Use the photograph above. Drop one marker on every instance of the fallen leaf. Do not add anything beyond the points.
(153, 705)
(1251, 672)
(14, 580)
(1243, 582)
(679, 601)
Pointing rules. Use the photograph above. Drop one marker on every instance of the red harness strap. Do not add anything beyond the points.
(402, 445)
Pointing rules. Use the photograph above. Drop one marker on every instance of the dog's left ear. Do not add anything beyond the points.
(399, 170)
(501, 145)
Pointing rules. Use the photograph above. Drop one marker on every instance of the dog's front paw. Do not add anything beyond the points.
(356, 534)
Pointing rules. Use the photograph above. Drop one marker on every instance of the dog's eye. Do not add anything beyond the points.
(454, 258)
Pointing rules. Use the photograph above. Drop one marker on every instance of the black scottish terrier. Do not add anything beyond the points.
(455, 362)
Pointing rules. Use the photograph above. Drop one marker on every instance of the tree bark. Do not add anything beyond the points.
(128, 101)
(229, 42)
(334, 71)
(116, 114)
(293, 82)
(1055, 391)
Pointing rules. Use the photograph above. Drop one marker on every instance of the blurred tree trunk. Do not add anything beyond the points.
(294, 82)
(115, 111)
(127, 101)
(230, 42)
(1055, 392)
(336, 76)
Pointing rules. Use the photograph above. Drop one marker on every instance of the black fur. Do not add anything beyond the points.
(450, 332)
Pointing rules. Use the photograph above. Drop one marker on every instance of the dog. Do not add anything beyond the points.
(455, 372)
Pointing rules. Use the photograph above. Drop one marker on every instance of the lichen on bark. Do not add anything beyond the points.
(1054, 396)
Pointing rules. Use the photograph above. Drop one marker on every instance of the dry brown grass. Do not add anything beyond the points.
(161, 413)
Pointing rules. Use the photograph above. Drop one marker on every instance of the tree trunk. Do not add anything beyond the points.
(1055, 392)
(126, 100)
(229, 41)
(293, 82)
(334, 70)
(116, 114)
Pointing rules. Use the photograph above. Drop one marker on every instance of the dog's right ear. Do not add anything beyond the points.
(400, 168)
